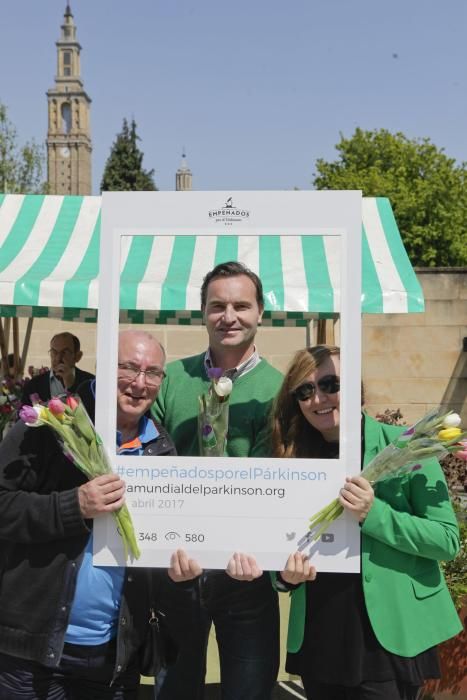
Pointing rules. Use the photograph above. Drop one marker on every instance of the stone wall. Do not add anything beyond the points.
(416, 361)
(410, 361)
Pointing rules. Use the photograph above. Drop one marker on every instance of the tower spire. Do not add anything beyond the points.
(183, 176)
(69, 134)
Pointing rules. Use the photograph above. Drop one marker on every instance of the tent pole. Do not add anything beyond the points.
(7, 331)
(321, 331)
(4, 346)
(16, 357)
(27, 338)
(325, 331)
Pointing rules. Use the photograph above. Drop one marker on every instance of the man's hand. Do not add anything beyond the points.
(298, 569)
(357, 497)
(104, 494)
(243, 567)
(182, 568)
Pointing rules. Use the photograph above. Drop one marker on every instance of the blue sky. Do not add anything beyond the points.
(256, 90)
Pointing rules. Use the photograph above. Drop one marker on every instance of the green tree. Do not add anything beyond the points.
(427, 190)
(124, 167)
(21, 167)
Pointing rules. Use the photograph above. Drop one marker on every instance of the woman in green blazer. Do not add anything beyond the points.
(374, 634)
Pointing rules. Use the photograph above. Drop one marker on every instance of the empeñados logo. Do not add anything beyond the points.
(229, 213)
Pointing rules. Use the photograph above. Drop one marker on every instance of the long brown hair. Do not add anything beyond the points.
(292, 435)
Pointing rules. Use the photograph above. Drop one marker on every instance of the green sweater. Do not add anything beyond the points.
(250, 403)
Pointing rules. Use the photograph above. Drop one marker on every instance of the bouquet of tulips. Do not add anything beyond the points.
(213, 415)
(11, 390)
(435, 435)
(81, 445)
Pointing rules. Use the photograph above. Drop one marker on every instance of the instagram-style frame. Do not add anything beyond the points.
(211, 529)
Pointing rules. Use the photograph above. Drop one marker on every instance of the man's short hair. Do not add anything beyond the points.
(231, 269)
(74, 339)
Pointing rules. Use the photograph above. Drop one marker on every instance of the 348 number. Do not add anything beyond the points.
(147, 536)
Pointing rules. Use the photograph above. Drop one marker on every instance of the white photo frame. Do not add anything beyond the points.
(264, 530)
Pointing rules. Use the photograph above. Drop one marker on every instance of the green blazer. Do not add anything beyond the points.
(410, 528)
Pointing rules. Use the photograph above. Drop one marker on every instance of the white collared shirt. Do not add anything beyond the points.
(234, 372)
(57, 387)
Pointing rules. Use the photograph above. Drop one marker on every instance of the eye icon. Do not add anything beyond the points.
(171, 536)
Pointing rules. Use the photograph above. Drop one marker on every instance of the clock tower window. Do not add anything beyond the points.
(66, 118)
(67, 63)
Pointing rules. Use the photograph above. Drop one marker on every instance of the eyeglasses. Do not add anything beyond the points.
(130, 373)
(330, 384)
(66, 352)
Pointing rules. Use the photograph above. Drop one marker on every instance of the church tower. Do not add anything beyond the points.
(183, 176)
(69, 134)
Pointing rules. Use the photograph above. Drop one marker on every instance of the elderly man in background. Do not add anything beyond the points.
(69, 629)
(64, 376)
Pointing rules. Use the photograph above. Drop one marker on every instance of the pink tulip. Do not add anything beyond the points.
(56, 407)
(72, 403)
(462, 454)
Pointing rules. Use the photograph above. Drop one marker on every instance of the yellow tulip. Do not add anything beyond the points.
(449, 433)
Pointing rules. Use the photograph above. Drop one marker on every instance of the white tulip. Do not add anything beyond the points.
(223, 386)
(452, 421)
(3, 400)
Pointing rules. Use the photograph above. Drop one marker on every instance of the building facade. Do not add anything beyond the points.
(69, 146)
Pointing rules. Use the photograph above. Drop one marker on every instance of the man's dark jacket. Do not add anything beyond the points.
(40, 384)
(42, 541)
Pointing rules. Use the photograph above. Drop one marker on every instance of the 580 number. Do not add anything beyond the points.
(194, 537)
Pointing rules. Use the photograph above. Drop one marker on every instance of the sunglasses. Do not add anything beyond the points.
(330, 384)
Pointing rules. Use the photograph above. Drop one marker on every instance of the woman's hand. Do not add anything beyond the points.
(298, 569)
(182, 568)
(357, 497)
(243, 567)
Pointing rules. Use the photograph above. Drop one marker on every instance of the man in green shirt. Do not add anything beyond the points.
(244, 612)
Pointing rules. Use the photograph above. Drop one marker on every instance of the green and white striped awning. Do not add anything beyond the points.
(49, 265)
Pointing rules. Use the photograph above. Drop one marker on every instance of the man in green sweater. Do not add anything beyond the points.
(244, 612)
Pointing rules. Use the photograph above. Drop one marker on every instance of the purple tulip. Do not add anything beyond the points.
(409, 431)
(215, 372)
(28, 415)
